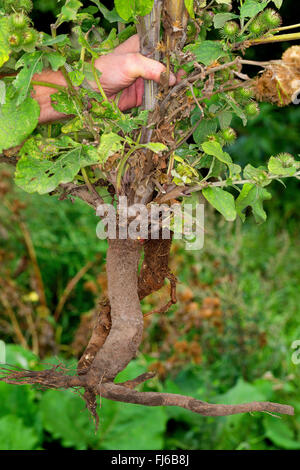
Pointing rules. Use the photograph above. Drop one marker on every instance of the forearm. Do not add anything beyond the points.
(43, 93)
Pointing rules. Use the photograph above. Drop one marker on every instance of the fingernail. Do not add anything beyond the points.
(172, 79)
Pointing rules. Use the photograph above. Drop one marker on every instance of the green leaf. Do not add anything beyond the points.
(61, 39)
(208, 51)
(55, 59)
(225, 118)
(43, 176)
(110, 143)
(63, 103)
(110, 41)
(189, 5)
(156, 147)
(252, 196)
(278, 3)
(128, 123)
(222, 201)
(18, 356)
(133, 8)
(221, 18)
(236, 108)
(129, 423)
(76, 77)
(242, 392)
(205, 128)
(64, 416)
(278, 431)
(19, 401)
(17, 122)
(15, 436)
(73, 125)
(215, 149)
(283, 165)
(109, 15)
(69, 10)
(32, 63)
(251, 8)
(4, 44)
(258, 175)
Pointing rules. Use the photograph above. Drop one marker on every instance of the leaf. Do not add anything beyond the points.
(133, 8)
(2, 92)
(121, 427)
(17, 122)
(252, 196)
(14, 435)
(73, 125)
(225, 118)
(283, 165)
(4, 44)
(19, 401)
(221, 18)
(69, 10)
(189, 5)
(109, 144)
(60, 39)
(234, 106)
(208, 51)
(31, 63)
(109, 15)
(18, 356)
(55, 59)
(278, 3)
(128, 123)
(278, 431)
(205, 128)
(222, 201)
(63, 103)
(129, 424)
(258, 175)
(242, 392)
(215, 149)
(43, 176)
(251, 8)
(156, 147)
(76, 77)
(64, 416)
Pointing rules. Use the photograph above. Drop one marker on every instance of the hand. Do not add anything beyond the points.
(125, 69)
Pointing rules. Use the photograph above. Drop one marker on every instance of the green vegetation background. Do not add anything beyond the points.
(244, 350)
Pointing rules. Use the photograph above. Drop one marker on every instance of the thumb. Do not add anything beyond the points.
(149, 69)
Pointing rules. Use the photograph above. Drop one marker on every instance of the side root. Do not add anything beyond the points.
(55, 378)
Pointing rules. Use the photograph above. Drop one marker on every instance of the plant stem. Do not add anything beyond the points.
(285, 28)
(49, 85)
(102, 92)
(281, 38)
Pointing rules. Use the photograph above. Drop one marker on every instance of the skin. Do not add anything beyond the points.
(124, 69)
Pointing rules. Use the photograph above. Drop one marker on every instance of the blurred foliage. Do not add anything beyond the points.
(228, 340)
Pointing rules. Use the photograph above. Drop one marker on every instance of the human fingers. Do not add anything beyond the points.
(132, 96)
(137, 65)
(131, 44)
